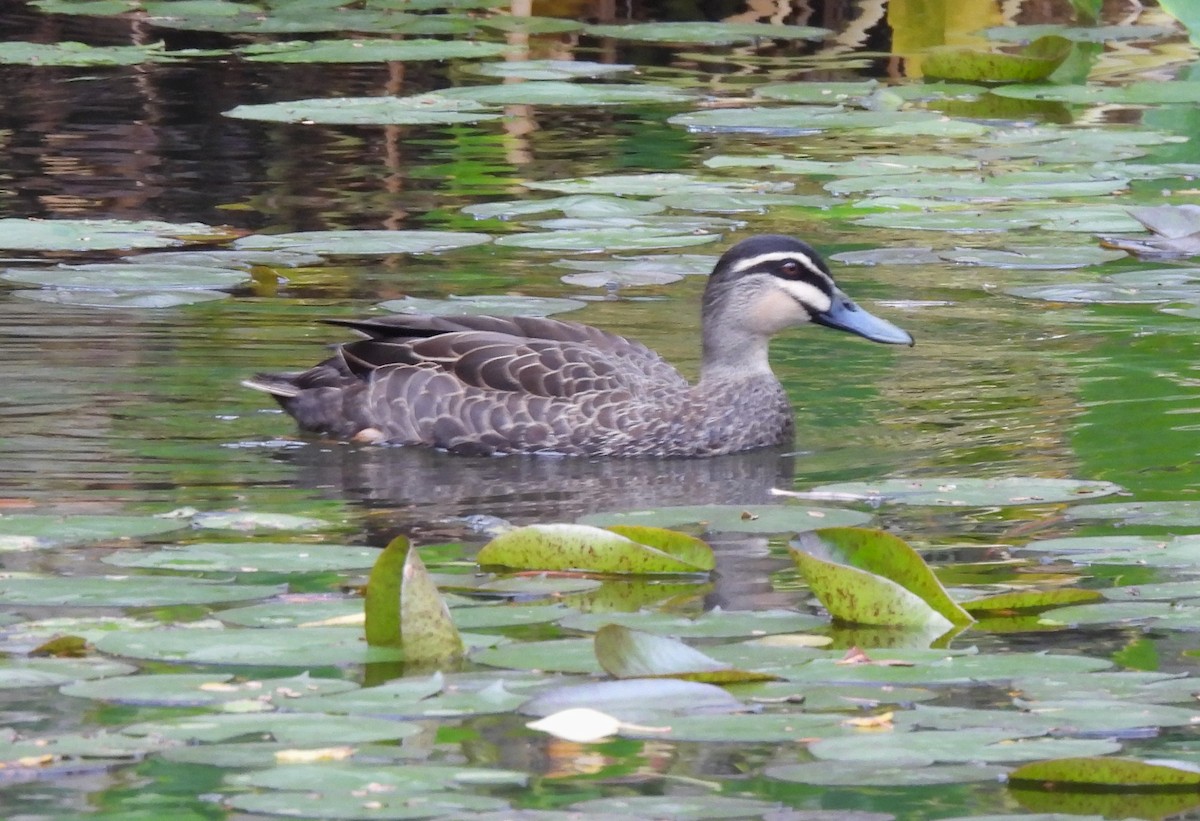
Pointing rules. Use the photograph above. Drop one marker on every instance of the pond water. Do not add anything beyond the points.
(1043, 353)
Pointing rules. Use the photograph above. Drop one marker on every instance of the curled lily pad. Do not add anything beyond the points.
(582, 547)
(369, 51)
(972, 491)
(364, 242)
(865, 576)
(626, 653)
(703, 33)
(497, 305)
(425, 109)
(404, 609)
(1035, 62)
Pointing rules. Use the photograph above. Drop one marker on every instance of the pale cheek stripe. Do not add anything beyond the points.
(780, 256)
(807, 295)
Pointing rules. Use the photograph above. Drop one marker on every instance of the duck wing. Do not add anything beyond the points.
(533, 356)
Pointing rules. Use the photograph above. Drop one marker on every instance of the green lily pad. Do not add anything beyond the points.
(793, 120)
(622, 549)
(584, 206)
(124, 591)
(869, 166)
(555, 655)
(1163, 615)
(734, 518)
(865, 576)
(1147, 92)
(1125, 773)
(593, 240)
(654, 185)
(558, 92)
(1034, 257)
(888, 256)
(1160, 514)
(122, 300)
(1165, 551)
(249, 557)
(118, 277)
(740, 203)
(1035, 62)
(951, 747)
(548, 69)
(708, 34)
(1030, 600)
(366, 242)
(349, 806)
(532, 26)
(956, 491)
(249, 520)
(33, 531)
(404, 609)
(882, 774)
(1078, 34)
(817, 91)
(1015, 185)
(626, 653)
(97, 234)
(963, 222)
(710, 625)
(203, 690)
(17, 673)
(636, 699)
(73, 753)
(302, 611)
(369, 51)
(401, 699)
(489, 305)
(424, 109)
(334, 776)
(1109, 293)
(69, 53)
(305, 647)
(294, 728)
(636, 268)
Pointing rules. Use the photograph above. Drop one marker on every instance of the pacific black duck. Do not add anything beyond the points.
(487, 385)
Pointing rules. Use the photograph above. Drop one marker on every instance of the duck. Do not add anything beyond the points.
(491, 385)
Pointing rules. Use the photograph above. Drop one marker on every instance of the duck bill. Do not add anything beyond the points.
(844, 315)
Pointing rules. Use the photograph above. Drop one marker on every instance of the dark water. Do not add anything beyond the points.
(109, 411)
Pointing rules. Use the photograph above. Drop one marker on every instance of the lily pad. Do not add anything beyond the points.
(369, 51)
(1034, 257)
(44, 673)
(120, 300)
(33, 531)
(1035, 62)
(98, 234)
(865, 576)
(1125, 773)
(202, 690)
(425, 109)
(709, 34)
(295, 728)
(365, 242)
(497, 305)
(734, 518)
(249, 557)
(636, 699)
(654, 185)
(403, 608)
(622, 549)
(249, 520)
(594, 240)
(951, 747)
(1146, 92)
(819, 91)
(882, 774)
(972, 491)
(583, 206)
(1160, 514)
(1165, 551)
(124, 591)
(557, 92)
(349, 805)
(710, 625)
(888, 256)
(626, 653)
(68, 53)
(792, 120)
(548, 69)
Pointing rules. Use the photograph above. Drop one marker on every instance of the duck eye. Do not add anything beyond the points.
(790, 268)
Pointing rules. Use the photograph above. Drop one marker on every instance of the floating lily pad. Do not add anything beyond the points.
(530, 25)
(740, 203)
(31, 531)
(367, 242)
(951, 747)
(349, 805)
(556, 655)
(1161, 514)
(1113, 614)
(974, 492)
(1079, 34)
(818, 91)
(635, 699)
(1111, 293)
(626, 653)
(713, 624)
(124, 300)
(964, 222)
(888, 256)
(557, 92)
(249, 557)
(592, 240)
(1035, 62)
(16, 673)
(1034, 257)
(583, 206)
(1165, 551)
(624, 549)
(201, 690)
(491, 305)
(1147, 92)
(871, 166)
(337, 612)
(98, 234)
(1016, 185)
(369, 51)
(1126, 773)
(296, 647)
(69, 53)
(405, 699)
(249, 520)
(425, 109)
(548, 69)
(882, 774)
(792, 120)
(295, 728)
(628, 279)
(710, 34)
(654, 185)
(124, 591)
(734, 518)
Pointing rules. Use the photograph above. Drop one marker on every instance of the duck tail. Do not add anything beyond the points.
(280, 385)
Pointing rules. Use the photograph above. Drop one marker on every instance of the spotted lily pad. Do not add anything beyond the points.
(1035, 62)
(366, 242)
(1124, 773)
(711, 34)
(623, 549)
(493, 305)
(972, 491)
(404, 609)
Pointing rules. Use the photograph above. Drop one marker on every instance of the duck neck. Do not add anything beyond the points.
(733, 354)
